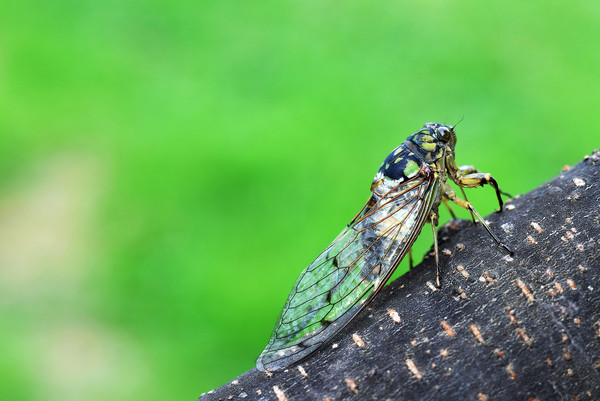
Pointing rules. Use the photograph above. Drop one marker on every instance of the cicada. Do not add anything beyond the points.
(405, 194)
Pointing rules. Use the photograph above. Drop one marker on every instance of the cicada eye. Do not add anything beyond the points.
(444, 134)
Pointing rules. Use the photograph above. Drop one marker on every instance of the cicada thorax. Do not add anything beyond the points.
(425, 143)
(399, 166)
(407, 160)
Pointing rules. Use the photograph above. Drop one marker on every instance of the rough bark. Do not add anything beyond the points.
(500, 328)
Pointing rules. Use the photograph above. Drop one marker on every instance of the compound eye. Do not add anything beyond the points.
(444, 134)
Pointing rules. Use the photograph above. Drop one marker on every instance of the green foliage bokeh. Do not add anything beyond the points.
(168, 168)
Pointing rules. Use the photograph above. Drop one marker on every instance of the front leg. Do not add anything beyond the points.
(470, 177)
(474, 180)
(464, 170)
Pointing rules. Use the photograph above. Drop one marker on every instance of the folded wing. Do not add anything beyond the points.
(350, 271)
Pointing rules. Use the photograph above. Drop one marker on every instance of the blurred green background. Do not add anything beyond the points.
(167, 168)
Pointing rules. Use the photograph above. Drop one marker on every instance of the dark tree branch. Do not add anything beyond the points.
(501, 328)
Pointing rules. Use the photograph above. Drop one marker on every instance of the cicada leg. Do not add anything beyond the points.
(451, 195)
(410, 259)
(465, 198)
(445, 202)
(433, 219)
(470, 177)
(464, 170)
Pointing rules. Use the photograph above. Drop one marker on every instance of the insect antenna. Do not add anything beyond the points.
(459, 121)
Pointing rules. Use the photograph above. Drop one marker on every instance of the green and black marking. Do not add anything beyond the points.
(406, 193)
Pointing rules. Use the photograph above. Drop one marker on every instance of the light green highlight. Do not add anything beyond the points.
(411, 168)
(429, 146)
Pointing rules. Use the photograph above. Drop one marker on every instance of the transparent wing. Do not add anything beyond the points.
(350, 271)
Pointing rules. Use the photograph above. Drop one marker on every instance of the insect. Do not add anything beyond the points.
(405, 194)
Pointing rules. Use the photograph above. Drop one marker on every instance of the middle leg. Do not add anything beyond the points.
(433, 219)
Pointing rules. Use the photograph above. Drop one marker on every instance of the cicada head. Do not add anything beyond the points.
(443, 133)
(434, 141)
